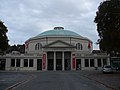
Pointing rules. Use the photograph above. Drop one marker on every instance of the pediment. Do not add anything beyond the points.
(59, 43)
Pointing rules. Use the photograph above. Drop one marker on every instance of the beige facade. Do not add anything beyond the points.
(56, 49)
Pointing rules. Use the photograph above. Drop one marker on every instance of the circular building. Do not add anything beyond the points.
(57, 49)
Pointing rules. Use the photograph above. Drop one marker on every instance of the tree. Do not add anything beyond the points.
(108, 26)
(19, 48)
(3, 37)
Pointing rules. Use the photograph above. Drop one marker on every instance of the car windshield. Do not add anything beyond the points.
(107, 66)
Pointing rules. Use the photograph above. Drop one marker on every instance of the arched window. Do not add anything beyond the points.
(38, 46)
(79, 46)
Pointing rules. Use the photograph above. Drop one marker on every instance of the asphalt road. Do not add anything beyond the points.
(66, 80)
(8, 79)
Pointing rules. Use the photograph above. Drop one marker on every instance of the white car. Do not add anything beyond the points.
(107, 69)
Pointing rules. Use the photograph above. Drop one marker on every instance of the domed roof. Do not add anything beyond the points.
(58, 32)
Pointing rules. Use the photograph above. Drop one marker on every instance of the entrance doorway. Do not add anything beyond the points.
(50, 58)
(50, 64)
(67, 61)
(78, 64)
(39, 64)
(2, 64)
(58, 60)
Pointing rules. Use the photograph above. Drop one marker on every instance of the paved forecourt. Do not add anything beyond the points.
(60, 80)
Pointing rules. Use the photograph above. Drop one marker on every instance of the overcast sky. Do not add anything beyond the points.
(28, 18)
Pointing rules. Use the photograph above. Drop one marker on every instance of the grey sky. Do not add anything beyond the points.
(28, 18)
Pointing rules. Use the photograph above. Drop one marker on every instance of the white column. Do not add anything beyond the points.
(63, 65)
(28, 62)
(89, 61)
(35, 63)
(15, 61)
(15, 68)
(21, 62)
(95, 60)
(108, 61)
(82, 63)
(102, 62)
(8, 64)
(54, 61)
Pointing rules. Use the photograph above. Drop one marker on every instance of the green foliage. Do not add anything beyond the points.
(108, 26)
(3, 37)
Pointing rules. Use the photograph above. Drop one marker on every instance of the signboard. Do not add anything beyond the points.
(44, 61)
(73, 61)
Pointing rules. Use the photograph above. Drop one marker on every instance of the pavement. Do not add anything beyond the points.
(10, 79)
(61, 80)
(110, 80)
(52, 80)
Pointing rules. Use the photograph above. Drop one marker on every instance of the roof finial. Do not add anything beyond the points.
(58, 28)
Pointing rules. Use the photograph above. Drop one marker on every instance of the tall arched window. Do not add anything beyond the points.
(38, 46)
(79, 46)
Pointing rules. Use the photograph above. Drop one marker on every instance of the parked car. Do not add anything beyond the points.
(107, 69)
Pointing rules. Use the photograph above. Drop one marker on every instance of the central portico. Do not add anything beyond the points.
(59, 56)
(58, 61)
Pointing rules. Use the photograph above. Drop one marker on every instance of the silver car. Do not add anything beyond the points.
(107, 69)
